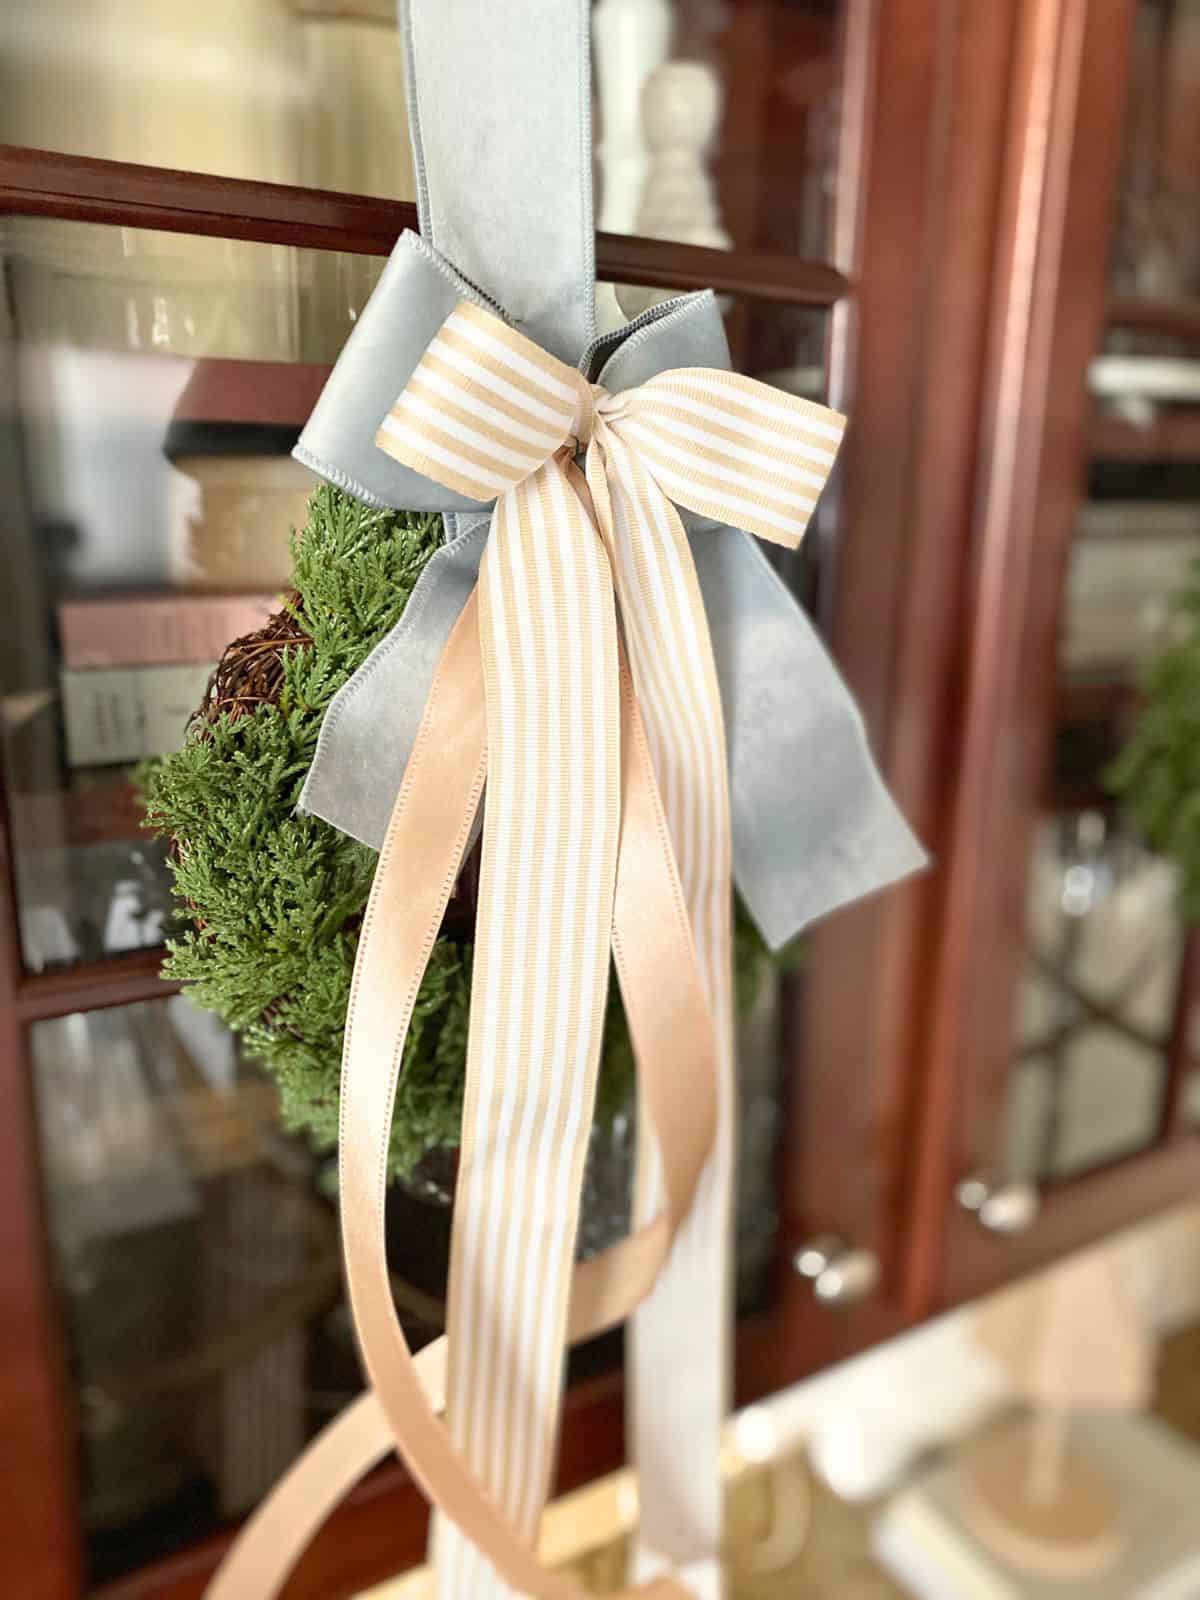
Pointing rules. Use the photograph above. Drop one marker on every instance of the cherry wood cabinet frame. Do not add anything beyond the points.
(929, 205)
(1050, 310)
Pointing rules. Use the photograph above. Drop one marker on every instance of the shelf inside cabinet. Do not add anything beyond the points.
(1174, 319)
(1170, 436)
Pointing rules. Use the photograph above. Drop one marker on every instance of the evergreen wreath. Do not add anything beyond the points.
(1157, 774)
(270, 900)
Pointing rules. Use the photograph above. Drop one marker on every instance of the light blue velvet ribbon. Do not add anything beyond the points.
(504, 195)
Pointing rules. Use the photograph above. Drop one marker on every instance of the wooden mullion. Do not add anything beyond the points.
(92, 986)
(125, 194)
(1176, 319)
(1181, 1062)
(41, 1554)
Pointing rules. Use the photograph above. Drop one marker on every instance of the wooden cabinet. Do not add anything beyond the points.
(941, 214)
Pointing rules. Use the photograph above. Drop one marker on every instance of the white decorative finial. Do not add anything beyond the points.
(681, 111)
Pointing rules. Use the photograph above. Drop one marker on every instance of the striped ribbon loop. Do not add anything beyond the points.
(490, 415)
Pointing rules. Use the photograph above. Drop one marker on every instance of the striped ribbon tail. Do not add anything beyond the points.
(489, 414)
(548, 633)
(728, 449)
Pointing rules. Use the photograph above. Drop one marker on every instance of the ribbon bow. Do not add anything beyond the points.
(486, 408)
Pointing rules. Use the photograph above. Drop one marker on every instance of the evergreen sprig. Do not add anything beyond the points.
(270, 899)
(1158, 772)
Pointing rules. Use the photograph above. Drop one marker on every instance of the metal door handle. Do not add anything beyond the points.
(840, 1274)
(1000, 1207)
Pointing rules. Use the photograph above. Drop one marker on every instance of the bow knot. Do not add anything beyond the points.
(594, 402)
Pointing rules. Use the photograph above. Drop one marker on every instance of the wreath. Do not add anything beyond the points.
(269, 900)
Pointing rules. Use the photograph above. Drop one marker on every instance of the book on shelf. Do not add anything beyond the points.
(144, 630)
(120, 714)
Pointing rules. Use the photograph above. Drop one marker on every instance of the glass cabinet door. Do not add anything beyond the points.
(1103, 1060)
(157, 384)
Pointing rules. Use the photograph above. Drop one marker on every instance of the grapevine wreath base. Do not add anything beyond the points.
(270, 900)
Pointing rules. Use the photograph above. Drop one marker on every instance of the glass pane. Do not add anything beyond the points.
(1112, 887)
(158, 384)
(1111, 890)
(197, 1260)
(717, 125)
(1158, 238)
(1097, 999)
(732, 143)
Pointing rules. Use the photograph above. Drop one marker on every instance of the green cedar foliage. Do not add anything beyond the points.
(1158, 772)
(270, 899)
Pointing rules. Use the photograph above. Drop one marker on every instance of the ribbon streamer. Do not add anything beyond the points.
(570, 864)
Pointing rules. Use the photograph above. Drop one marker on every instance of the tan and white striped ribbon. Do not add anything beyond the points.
(577, 858)
(489, 414)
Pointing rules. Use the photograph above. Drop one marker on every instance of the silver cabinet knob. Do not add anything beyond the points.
(1000, 1207)
(839, 1274)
